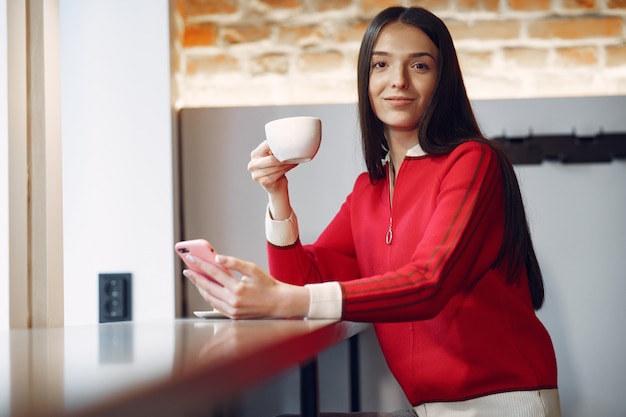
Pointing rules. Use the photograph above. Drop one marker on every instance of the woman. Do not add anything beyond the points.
(432, 244)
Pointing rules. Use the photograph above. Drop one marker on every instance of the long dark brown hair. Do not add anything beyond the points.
(448, 121)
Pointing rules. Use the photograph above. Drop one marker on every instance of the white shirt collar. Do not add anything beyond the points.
(415, 151)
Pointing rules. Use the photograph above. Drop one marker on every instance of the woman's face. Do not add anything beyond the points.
(403, 75)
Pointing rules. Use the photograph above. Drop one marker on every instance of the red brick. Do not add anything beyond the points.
(319, 61)
(616, 55)
(494, 29)
(526, 57)
(200, 34)
(275, 63)
(617, 4)
(489, 5)
(577, 56)
(576, 28)
(351, 33)
(529, 5)
(473, 62)
(326, 5)
(294, 35)
(370, 8)
(194, 8)
(211, 64)
(282, 4)
(580, 4)
(245, 34)
(432, 5)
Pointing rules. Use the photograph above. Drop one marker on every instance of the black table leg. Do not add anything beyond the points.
(309, 382)
(355, 374)
(309, 389)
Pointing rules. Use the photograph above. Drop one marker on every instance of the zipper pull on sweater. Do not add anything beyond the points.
(391, 177)
(389, 235)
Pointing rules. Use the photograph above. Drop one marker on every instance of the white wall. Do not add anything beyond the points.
(117, 155)
(4, 171)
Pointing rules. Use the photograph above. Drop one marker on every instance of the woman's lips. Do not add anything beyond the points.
(398, 101)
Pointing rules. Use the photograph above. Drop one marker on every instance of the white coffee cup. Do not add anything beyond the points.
(294, 140)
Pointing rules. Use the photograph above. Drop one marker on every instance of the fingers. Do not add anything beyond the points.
(246, 269)
(266, 164)
(260, 151)
(212, 291)
(215, 272)
(219, 297)
(265, 169)
(251, 296)
(262, 158)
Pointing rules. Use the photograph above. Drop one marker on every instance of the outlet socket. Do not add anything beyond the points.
(115, 297)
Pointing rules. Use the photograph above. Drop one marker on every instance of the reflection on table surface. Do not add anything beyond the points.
(151, 368)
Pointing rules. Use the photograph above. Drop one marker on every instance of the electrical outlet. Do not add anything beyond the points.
(115, 297)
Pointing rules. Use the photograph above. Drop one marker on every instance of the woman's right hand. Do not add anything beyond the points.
(269, 173)
(256, 294)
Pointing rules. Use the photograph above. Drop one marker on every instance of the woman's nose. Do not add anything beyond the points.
(399, 79)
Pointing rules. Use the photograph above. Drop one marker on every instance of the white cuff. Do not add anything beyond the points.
(326, 300)
(281, 232)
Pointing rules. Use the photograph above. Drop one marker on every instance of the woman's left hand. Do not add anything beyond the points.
(255, 294)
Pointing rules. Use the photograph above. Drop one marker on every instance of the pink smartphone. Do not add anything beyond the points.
(198, 248)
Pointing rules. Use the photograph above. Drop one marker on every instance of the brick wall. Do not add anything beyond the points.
(264, 52)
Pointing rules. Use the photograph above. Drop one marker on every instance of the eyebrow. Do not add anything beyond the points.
(413, 55)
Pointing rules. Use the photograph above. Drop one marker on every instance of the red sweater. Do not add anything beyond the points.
(450, 326)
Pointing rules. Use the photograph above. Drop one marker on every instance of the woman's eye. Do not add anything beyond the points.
(420, 66)
(378, 64)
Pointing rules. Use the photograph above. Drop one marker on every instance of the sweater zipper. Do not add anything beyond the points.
(389, 235)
